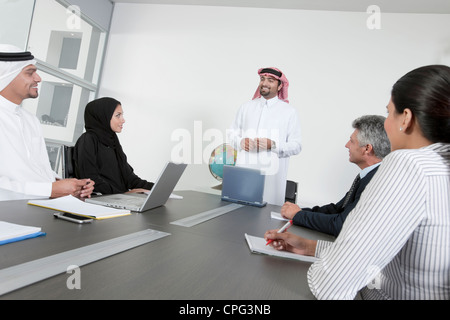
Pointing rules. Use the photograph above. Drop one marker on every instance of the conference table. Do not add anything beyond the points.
(207, 261)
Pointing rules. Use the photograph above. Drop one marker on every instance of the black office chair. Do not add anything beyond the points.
(68, 167)
(291, 191)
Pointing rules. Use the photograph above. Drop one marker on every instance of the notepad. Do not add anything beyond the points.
(258, 245)
(11, 232)
(277, 216)
(76, 206)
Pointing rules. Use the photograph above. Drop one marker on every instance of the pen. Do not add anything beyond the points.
(284, 228)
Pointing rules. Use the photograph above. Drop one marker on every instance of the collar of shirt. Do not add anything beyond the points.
(9, 106)
(269, 102)
(365, 171)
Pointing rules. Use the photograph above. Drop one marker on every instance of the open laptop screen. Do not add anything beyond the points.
(243, 185)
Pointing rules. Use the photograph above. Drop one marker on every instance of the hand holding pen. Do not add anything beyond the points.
(283, 229)
(290, 242)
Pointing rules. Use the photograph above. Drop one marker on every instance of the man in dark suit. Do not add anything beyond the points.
(368, 145)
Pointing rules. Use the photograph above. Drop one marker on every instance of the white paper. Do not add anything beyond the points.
(76, 206)
(277, 216)
(258, 245)
(12, 230)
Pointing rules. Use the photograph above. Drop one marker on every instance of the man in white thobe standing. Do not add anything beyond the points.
(24, 164)
(266, 132)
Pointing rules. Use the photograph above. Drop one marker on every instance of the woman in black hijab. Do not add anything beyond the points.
(98, 154)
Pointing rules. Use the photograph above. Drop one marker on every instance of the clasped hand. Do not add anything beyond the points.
(258, 144)
(80, 188)
(289, 210)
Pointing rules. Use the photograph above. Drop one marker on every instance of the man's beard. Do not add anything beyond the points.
(266, 93)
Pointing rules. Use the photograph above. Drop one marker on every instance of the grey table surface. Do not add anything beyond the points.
(204, 262)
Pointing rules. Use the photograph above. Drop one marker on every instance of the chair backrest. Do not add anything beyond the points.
(291, 191)
(68, 168)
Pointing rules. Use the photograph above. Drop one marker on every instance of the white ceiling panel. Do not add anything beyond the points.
(392, 6)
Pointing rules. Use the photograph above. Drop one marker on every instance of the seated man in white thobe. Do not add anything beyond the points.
(24, 164)
(266, 132)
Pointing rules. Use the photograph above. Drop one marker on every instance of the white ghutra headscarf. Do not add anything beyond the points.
(12, 61)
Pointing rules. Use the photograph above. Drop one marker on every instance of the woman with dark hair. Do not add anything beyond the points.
(395, 244)
(98, 154)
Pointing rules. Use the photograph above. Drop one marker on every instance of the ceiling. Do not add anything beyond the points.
(391, 6)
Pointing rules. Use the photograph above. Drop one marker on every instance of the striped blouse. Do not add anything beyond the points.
(395, 244)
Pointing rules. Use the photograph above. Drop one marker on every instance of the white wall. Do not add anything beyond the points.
(171, 66)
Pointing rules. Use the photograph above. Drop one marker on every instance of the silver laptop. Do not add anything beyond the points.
(157, 196)
(243, 185)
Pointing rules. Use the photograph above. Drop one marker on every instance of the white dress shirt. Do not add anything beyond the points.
(24, 162)
(278, 121)
(396, 242)
(365, 171)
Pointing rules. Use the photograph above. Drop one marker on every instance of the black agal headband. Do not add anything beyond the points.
(16, 56)
(272, 71)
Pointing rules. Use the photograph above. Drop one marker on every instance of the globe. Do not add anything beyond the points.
(220, 156)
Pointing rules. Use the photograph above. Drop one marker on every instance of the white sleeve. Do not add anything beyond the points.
(42, 189)
(293, 143)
